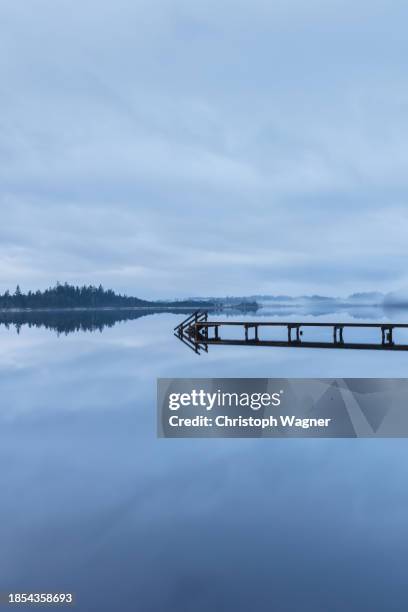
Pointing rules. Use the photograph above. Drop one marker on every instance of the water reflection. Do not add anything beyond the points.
(93, 502)
(91, 320)
(337, 311)
(71, 321)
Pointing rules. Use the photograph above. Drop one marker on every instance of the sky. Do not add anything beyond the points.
(177, 148)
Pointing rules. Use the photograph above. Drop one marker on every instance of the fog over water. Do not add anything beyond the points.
(93, 502)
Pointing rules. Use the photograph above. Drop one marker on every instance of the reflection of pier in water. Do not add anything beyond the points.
(198, 333)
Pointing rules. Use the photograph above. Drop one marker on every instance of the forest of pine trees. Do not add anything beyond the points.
(70, 296)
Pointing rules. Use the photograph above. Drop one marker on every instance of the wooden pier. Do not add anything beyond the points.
(198, 333)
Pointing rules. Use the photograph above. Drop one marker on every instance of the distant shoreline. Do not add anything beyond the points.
(106, 308)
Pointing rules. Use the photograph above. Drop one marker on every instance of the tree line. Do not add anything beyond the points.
(87, 296)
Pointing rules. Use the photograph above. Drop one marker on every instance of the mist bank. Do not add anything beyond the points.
(372, 298)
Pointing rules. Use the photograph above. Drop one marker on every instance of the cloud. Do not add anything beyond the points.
(177, 148)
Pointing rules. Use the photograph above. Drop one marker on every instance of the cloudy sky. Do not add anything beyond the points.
(207, 147)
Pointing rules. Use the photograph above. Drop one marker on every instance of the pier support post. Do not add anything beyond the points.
(338, 334)
(386, 335)
(298, 333)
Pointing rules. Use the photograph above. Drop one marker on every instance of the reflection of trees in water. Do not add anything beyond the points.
(70, 321)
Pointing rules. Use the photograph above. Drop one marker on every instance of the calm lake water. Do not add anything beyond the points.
(92, 502)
